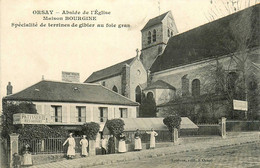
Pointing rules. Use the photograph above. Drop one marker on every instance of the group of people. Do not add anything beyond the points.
(108, 146)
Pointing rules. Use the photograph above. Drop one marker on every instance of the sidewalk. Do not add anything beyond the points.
(185, 145)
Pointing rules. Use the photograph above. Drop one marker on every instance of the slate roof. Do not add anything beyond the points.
(53, 91)
(131, 124)
(155, 21)
(210, 40)
(160, 84)
(108, 72)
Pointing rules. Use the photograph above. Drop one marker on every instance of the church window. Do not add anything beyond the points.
(231, 81)
(185, 85)
(195, 88)
(149, 37)
(115, 89)
(168, 32)
(138, 94)
(150, 95)
(171, 34)
(154, 35)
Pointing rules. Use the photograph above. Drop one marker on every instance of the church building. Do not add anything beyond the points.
(197, 73)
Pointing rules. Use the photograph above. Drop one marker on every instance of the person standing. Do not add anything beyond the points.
(111, 145)
(138, 142)
(84, 145)
(153, 134)
(71, 148)
(104, 145)
(121, 146)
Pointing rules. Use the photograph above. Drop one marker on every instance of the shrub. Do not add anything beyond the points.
(90, 130)
(172, 121)
(40, 132)
(10, 108)
(115, 126)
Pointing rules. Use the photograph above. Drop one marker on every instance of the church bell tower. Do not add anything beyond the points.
(155, 36)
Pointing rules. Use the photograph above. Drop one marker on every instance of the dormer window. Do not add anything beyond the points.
(154, 35)
(149, 37)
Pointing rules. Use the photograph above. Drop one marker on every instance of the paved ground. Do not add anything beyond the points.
(238, 149)
(245, 155)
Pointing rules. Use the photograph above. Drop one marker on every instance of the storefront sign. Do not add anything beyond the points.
(240, 105)
(22, 118)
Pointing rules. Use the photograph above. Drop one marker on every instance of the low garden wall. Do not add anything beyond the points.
(209, 129)
(243, 125)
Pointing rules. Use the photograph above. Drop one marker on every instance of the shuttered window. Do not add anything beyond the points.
(81, 110)
(57, 113)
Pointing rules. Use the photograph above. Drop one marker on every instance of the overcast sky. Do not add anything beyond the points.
(29, 53)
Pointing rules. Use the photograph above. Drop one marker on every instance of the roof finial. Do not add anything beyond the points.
(137, 53)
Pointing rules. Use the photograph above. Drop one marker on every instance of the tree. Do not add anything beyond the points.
(90, 130)
(172, 121)
(221, 8)
(148, 107)
(11, 108)
(115, 126)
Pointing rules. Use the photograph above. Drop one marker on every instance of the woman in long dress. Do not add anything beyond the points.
(84, 145)
(153, 134)
(138, 142)
(121, 146)
(111, 145)
(71, 148)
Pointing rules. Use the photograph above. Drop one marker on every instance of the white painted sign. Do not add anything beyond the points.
(22, 118)
(240, 105)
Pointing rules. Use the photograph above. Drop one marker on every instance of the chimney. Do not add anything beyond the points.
(9, 88)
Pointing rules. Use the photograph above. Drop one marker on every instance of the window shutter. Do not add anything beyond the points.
(110, 113)
(72, 114)
(47, 113)
(88, 114)
(64, 114)
(96, 114)
(117, 113)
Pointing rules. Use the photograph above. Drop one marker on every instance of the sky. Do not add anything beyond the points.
(27, 54)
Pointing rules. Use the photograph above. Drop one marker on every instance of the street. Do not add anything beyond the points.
(245, 155)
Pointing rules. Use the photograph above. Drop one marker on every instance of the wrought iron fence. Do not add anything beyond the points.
(50, 145)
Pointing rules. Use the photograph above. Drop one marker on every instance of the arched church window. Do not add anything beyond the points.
(195, 88)
(115, 89)
(185, 85)
(168, 32)
(154, 35)
(150, 95)
(171, 34)
(138, 94)
(149, 37)
(231, 81)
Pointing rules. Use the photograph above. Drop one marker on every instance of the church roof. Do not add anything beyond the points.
(213, 39)
(160, 84)
(108, 72)
(54, 91)
(155, 21)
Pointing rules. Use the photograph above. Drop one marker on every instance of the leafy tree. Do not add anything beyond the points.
(115, 126)
(11, 108)
(90, 130)
(172, 121)
(148, 107)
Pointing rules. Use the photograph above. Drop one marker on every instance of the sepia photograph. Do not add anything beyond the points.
(122, 84)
